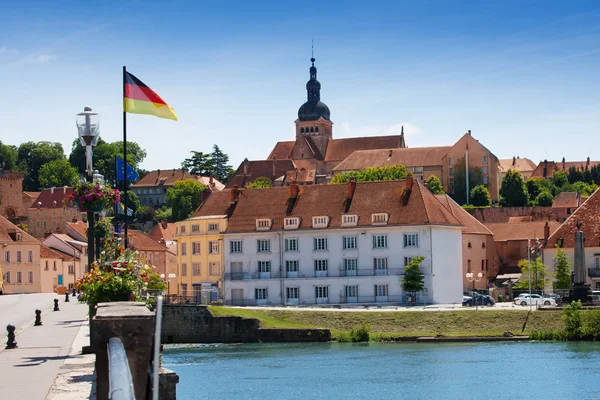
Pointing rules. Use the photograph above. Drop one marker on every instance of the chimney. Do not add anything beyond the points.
(245, 166)
(74, 220)
(563, 164)
(390, 155)
(546, 232)
(163, 223)
(587, 163)
(65, 187)
(52, 190)
(158, 173)
(545, 174)
(352, 187)
(274, 170)
(234, 193)
(408, 182)
(174, 172)
(294, 189)
(514, 160)
(469, 132)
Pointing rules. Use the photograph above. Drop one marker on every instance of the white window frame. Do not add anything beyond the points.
(183, 269)
(322, 267)
(320, 221)
(320, 244)
(349, 243)
(292, 244)
(322, 292)
(236, 247)
(19, 277)
(263, 245)
(350, 264)
(291, 223)
(29, 276)
(214, 268)
(182, 228)
(213, 247)
(261, 293)
(411, 240)
(350, 220)
(195, 248)
(379, 218)
(264, 266)
(408, 260)
(213, 227)
(7, 256)
(351, 291)
(292, 293)
(380, 241)
(196, 269)
(30, 256)
(484, 160)
(380, 265)
(19, 256)
(485, 180)
(381, 290)
(263, 224)
(292, 265)
(195, 228)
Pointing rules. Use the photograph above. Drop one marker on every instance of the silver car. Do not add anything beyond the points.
(527, 299)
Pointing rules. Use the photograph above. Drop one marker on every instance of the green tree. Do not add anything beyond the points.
(539, 274)
(413, 280)
(480, 196)
(199, 163)
(575, 175)
(57, 173)
(535, 186)
(184, 197)
(145, 213)
(155, 283)
(32, 156)
(513, 190)
(563, 269)
(220, 166)
(560, 179)
(259, 183)
(580, 187)
(8, 157)
(459, 188)
(386, 173)
(435, 185)
(544, 199)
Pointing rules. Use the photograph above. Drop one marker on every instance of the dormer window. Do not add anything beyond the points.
(320, 222)
(19, 237)
(350, 220)
(291, 223)
(379, 218)
(263, 224)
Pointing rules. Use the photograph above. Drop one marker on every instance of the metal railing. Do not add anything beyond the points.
(594, 272)
(398, 299)
(238, 276)
(119, 373)
(193, 300)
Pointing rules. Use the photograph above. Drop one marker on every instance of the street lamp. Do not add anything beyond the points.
(170, 276)
(471, 278)
(88, 129)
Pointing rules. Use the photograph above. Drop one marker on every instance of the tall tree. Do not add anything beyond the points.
(413, 280)
(563, 269)
(31, 156)
(220, 166)
(535, 186)
(480, 196)
(435, 185)
(199, 163)
(575, 175)
(8, 157)
(184, 197)
(560, 179)
(513, 190)
(539, 274)
(459, 193)
(57, 173)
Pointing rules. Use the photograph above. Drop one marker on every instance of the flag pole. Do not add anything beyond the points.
(125, 155)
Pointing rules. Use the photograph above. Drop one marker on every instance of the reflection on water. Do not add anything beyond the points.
(386, 371)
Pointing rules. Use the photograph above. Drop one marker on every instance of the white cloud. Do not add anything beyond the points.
(43, 58)
(378, 130)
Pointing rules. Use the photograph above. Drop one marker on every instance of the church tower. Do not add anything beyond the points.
(313, 126)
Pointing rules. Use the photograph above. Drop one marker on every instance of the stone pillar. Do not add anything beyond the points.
(579, 259)
(167, 384)
(134, 324)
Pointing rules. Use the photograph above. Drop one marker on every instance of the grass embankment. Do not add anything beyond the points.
(396, 324)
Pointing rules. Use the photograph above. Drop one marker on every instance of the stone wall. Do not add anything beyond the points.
(196, 324)
(503, 214)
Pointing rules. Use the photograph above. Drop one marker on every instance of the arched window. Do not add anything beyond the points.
(312, 129)
(483, 245)
(469, 245)
(301, 130)
(317, 129)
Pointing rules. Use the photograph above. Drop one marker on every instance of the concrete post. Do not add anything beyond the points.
(133, 323)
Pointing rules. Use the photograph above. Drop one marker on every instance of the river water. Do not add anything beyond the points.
(515, 371)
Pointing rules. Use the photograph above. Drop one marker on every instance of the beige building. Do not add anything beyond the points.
(74, 255)
(47, 214)
(523, 165)
(200, 256)
(57, 270)
(20, 263)
(14, 202)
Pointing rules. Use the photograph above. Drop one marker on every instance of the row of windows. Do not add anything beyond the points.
(214, 268)
(321, 265)
(322, 243)
(151, 191)
(484, 160)
(65, 212)
(213, 227)
(485, 265)
(321, 292)
(312, 129)
(19, 277)
(213, 248)
(19, 258)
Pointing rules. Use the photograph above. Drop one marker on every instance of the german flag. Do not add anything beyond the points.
(140, 99)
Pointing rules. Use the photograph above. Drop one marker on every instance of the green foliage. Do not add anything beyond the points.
(480, 196)
(213, 164)
(163, 213)
(57, 173)
(544, 199)
(573, 319)
(535, 186)
(32, 156)
(584, 189)
(145, 213)
(575, 175)
(459, 191)
(500, 298)
(435, 185)
(133, 200)
(220, 167)
(260, 183)
(539, 274)
(554, 335)
(386, 173)
(413, 282)
(563, 269)
(362, 334)
(8, 157)
(560, 179)
(184, 197)
(155, 283)
(513, 190)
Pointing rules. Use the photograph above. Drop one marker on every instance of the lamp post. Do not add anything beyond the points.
(169, 277)
(471, 278)
(88, 129)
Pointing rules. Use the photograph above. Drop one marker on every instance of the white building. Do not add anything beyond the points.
(339, 244)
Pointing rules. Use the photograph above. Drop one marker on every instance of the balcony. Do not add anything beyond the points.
(341, 273)
(371, 272)
(594, 272)
(242, 276)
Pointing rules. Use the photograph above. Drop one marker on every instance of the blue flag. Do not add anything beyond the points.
(132, 174)
(121, 210)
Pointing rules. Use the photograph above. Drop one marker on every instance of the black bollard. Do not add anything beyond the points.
(66, 297)
(38, 318)
(74, 292)
(11, 343)
(56, 305)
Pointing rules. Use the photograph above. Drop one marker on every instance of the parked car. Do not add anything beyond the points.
(554, 296)
(480, 300)
(526, 299)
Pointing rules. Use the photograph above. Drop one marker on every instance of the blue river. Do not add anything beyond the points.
(515, 371)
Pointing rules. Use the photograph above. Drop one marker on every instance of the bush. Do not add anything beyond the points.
(592, 324)
(544, 199)
(500, 298)
(548, 335)
(573, 319)
(480, 196)
(361, 334)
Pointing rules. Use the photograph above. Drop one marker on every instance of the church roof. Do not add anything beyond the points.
(282, 151)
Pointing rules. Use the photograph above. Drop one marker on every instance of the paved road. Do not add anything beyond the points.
(19, 309)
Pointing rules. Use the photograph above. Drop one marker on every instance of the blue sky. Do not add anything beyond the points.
(522, 75)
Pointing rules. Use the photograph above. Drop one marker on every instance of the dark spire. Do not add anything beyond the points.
(313, 109)
(313, 86)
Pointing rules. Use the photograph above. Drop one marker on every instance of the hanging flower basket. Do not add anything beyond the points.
(91, 197)
(94, 207)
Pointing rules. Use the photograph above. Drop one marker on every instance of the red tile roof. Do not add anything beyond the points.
(339, 149)
(567, 200)
(521, 230)
(8, 232)
(271, 169)
(517, 163)
(216, 204)
(419, 207)
(470, 222)
(51, 198)
(140, 241)
(164, 177)
(282, 151)
(80, 227)
(589, 215)
(552, 166)
(162, 233)
(409, 157)
(47, 252)
(206, 181)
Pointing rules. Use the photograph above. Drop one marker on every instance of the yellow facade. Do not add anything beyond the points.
(200, 254)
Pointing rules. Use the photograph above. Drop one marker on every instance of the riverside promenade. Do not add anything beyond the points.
(46, 352)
